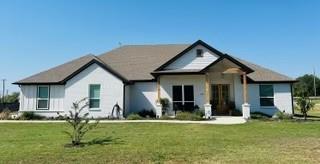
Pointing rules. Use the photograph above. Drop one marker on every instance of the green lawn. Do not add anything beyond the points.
(254, 142)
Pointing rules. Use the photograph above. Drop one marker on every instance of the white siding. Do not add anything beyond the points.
(282, 98)
(143, 95)
(190, 60)
(198, 82)
(28, 99)
(56, 97)
(111, 90)
(28, 96)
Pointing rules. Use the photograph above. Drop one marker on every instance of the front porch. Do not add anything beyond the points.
(219, 90)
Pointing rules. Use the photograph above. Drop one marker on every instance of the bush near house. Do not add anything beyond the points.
(188, 116)
(283, 116)
(147, 113)
(30, 116)
(260, 116)
(134, 117)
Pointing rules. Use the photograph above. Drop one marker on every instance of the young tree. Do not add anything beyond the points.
(305, 105)
(79, 123)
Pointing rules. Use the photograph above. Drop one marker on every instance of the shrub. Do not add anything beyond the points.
(188, 116)
(283, 116)
(259, 115)
(165, 117)
(165, 103)
(147, 113)
(30, 116)
(134, 117)
(199, 112)
(5, 114)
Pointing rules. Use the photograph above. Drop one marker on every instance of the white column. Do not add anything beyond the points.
(246, 111)
(207, 105)
(158, 110)
(245, 105)
(158, 104)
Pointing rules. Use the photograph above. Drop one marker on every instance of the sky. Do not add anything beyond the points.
(36, 35)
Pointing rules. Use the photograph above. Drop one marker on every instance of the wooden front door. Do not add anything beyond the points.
(220, 98)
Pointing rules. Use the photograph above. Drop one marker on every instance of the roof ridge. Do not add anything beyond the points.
(164, 44)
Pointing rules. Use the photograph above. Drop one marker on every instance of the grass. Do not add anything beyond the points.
(254, 142)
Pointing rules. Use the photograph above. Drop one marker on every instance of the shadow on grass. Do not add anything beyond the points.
(104, 141)
(97, 141)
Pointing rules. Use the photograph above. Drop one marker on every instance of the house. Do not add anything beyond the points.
(136, 76)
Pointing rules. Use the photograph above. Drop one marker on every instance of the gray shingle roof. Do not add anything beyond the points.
(137, 62)
(262, 74)
(58, 73)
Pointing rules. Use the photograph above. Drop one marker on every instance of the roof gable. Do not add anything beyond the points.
(190, 60)
(62, 73)
(199, 42)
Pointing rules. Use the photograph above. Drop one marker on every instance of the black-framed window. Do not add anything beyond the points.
(266, 95)
(43, 97)
(183, 97)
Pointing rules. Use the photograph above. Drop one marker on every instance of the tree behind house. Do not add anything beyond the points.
(305, 85)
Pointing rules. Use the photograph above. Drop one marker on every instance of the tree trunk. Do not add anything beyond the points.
(305, 116)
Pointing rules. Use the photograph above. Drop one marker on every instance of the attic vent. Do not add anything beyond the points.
(199, 53)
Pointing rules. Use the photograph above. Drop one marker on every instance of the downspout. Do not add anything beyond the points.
(291, 86)
(124, 99)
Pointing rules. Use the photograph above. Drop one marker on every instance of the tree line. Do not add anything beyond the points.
(305, 86)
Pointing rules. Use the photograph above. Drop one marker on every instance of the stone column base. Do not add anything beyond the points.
(158, 110)
(246, 111)
(207, 111)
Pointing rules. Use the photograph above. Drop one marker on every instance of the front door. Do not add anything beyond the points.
(220, 98)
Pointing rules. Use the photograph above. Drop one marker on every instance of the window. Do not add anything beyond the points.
(183, 97)
(266, 95)
(94, 96)
(43, 98)
(199, 53)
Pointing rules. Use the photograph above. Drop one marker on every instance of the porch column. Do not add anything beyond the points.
(158, 89)
(245, 105)
(158, 102)
(245, 88)
(207, 105)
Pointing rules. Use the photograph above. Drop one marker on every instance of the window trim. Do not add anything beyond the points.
(266, 97)
(38, 98)
(99, 108)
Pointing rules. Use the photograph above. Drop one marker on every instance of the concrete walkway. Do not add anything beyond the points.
(219, 120)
